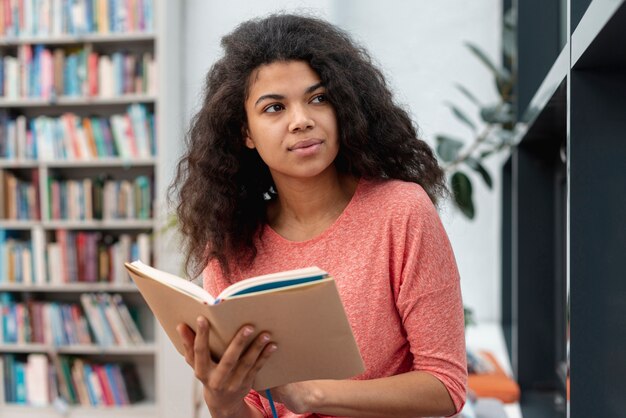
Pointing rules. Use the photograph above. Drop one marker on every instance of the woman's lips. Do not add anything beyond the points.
(306, 147)
(305, 144)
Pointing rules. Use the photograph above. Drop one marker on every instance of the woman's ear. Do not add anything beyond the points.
(246, 134)
(250, 142)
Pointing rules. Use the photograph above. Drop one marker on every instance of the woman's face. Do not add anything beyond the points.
(290, 123)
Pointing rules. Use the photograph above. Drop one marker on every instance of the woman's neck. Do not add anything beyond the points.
(306, 208)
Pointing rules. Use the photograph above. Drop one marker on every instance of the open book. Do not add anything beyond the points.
(300, 308)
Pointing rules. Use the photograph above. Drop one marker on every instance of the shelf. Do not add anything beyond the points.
(144, 349)
(100, 162)
(17, 225)
(96, 162)
(597, 38)
(549, 98)
(99, 224)
(76, 101)
(94, 38)
(138, 410)
(21, 164)
(69, 287)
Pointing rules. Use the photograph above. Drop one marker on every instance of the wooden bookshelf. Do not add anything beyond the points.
(145, 357)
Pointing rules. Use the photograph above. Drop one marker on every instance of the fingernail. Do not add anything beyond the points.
(247, 331)
(201, 322)
(272, 348)
(265, 338)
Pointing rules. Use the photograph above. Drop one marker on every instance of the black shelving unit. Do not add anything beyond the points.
(564, 223)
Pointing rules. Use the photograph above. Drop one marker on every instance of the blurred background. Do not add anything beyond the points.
(523, 102)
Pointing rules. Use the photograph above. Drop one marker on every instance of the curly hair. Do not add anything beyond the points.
(223, 188)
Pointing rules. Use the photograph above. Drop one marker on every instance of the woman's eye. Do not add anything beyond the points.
(320, 98)
(273, 108)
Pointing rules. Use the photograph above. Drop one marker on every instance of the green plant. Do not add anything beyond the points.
(497, 132)
(468, 316)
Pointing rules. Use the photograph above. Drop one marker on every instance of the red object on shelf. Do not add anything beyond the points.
(496, 384)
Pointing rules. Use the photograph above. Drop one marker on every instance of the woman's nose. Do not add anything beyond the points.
(301, 119)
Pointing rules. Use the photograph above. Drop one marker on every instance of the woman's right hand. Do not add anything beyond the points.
(227, 382)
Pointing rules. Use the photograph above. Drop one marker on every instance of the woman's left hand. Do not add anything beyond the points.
(298, 397)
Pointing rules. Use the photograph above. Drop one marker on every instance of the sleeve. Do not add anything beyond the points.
(254, 399)
(428, 298)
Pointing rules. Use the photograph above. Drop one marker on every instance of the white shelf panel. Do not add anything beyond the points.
(134, 411)
(77, 101)
(19, 225)
(144, 349)
(96, 162)
(100, 162)
(79, 39)
(69, 287)
(11, 163)
(99, 224)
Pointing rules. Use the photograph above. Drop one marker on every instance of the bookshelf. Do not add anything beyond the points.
(564, 225)
(59, 159)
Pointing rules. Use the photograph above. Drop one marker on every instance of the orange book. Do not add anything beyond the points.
(91, 140)
(496, 384)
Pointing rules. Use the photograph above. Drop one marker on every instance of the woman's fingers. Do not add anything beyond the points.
(201, 352)
(240, 363)
(261, 358)
(188, 337)
(231, 358)
(249, 358)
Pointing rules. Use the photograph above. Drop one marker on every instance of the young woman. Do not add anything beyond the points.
(300, 157)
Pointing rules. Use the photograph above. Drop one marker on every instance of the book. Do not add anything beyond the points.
(300, 308)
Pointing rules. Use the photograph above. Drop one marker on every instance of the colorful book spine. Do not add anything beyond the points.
(76, 17)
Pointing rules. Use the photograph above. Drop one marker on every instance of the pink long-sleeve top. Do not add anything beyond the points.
(397, 277)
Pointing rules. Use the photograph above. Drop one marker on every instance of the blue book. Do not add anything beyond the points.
(89, 20)
(87, 371)
(1, 84)
(148, 12)
(4, 256)
(9, 378)
(36, 72)
(21, 396)
(115, 389)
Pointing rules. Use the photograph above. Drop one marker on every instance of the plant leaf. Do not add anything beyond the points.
(503, 75)
(448, 148)
(499, 113)
(461, 116)
(462, 192)
(468, 94)
(482, 57)
(476, 165)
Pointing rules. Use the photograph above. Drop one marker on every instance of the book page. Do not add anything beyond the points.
(173, 281)
(273, 281)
